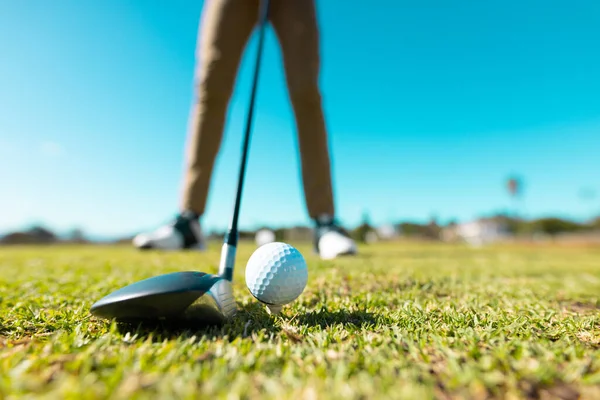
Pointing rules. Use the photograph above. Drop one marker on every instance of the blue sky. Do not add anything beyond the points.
(430, 106)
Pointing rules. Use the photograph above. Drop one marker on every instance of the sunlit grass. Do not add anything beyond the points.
(400, 320)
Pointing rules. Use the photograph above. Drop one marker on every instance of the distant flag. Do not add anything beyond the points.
(514, 186)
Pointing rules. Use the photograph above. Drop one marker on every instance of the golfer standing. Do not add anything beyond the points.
(225, 27)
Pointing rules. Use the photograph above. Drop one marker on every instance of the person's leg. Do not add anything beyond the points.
(296, 26)
(224, 30)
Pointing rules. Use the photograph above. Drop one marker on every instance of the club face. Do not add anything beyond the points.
(194, 297)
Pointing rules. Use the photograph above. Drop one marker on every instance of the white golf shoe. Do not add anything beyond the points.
(331, 241)
(183, 233)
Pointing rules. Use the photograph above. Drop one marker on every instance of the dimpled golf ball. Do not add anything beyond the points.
(276, 273)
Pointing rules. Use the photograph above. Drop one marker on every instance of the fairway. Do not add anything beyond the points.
(401, 320)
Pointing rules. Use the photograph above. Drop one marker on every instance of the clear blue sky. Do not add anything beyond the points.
(430, 106)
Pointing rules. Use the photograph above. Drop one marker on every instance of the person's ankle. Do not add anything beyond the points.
(189, 214)
(324, 220)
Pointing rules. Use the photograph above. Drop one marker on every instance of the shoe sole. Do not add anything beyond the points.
(344, 254)
(147, 247)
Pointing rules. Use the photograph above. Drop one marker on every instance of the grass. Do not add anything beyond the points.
(401, 320)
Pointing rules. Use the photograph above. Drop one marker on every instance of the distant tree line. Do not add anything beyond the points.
(41, 235)
(550, 226)
(428, 231)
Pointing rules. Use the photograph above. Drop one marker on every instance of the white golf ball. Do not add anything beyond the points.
(264, 236)
(276, 273)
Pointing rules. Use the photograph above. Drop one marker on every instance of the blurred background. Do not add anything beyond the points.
(469, 121)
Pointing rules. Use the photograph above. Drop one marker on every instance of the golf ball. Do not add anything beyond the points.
(276, 274)
(264, 236)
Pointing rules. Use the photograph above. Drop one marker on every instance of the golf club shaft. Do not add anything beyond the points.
(228, 251)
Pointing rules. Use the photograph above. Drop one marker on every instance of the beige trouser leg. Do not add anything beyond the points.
(225, 28)
(295, 23)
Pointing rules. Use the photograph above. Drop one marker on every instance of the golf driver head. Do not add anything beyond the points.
(192, 297)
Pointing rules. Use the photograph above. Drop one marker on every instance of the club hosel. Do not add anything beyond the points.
(227, 261)
(231, 238)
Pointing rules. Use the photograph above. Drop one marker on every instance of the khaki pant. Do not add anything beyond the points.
(225, 28)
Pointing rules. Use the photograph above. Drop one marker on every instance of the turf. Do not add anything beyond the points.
(401, 320)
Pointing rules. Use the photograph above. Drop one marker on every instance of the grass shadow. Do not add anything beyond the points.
(250, 318)
(324, 318)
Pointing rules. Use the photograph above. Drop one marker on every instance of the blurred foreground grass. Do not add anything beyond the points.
(400, 320)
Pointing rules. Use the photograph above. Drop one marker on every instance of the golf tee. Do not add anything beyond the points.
(273, 309)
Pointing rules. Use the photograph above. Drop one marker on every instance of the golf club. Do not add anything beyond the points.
(191, 296)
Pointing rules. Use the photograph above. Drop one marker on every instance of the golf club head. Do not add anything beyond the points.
(195, 297)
